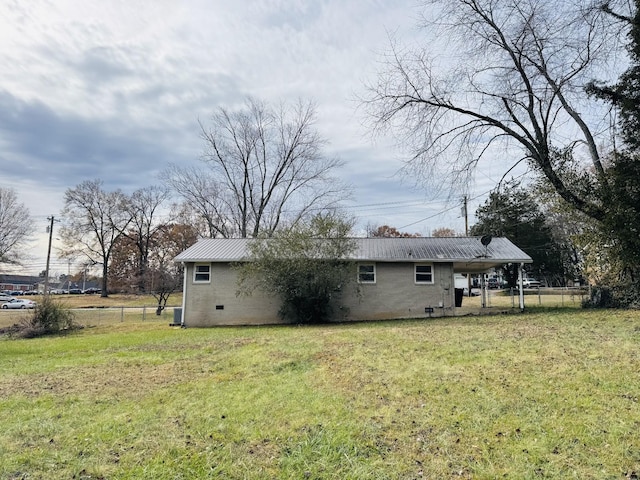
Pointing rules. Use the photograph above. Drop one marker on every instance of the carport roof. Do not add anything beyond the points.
(467, 254)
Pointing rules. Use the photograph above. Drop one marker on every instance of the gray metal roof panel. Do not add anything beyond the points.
(215, 250)
(436, 249)
(431, 249)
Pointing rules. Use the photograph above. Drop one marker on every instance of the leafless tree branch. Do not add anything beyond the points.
(493, 72)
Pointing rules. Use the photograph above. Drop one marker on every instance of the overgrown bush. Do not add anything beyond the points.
(311, 294)
(304, 266)
(623, 295)
(47, 318)
(600, 297)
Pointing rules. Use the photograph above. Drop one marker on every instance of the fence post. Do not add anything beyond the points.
(539, 297)
(122, 314)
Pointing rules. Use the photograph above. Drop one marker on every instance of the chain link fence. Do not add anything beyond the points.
(91, 317)
(541, 297)
(494, 299)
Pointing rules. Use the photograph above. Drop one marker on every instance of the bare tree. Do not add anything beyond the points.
(94, 220)
(202, 195)
(165, 276)
(508, 72)
(143, 207)
(385, 231)
(15, 226)
(444, 232)
(268, 168)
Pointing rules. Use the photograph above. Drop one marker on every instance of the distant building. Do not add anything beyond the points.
(22, 283)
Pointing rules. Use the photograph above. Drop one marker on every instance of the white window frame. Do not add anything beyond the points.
(196, 273)
(373, 272)
(416, 273)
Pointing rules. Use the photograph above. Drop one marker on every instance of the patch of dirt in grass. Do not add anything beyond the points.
(119, 380)
(130, 378)
(264, 449)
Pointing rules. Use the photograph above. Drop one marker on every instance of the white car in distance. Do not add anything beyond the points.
(531, 283)
(19, 303)
(5, 298)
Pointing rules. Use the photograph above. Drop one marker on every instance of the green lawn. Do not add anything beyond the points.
(553, 394)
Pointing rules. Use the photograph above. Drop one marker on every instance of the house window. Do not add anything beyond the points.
(367, 273)
(424, 273)
(202, 273)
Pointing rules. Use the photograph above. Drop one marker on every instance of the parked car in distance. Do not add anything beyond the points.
(19, 303)
(17, 293)
(5, 297)
(91, 291)
(530, 283)
(75, 291)
(494, 283)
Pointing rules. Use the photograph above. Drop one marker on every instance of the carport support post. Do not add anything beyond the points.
(521, 287)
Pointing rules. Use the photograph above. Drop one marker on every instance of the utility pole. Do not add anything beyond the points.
(46, 272)
(68, 274)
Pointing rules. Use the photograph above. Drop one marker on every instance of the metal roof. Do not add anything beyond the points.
(467, 253)
(216, 250)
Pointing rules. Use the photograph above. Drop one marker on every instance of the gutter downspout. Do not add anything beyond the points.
(184, 292)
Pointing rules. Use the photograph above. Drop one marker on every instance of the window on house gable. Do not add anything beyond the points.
(424, 273)
(367, 273)
(202, 273)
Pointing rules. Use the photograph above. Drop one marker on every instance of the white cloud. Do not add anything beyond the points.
(114, 90)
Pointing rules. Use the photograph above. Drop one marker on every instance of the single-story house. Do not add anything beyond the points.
(396, 278)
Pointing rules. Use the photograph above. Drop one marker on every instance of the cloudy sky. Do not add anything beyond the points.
(113, 90)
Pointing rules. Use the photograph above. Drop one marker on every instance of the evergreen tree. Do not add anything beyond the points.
(513, 212)
(621, 223)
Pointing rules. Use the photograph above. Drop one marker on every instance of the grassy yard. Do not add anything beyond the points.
(548, 394)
